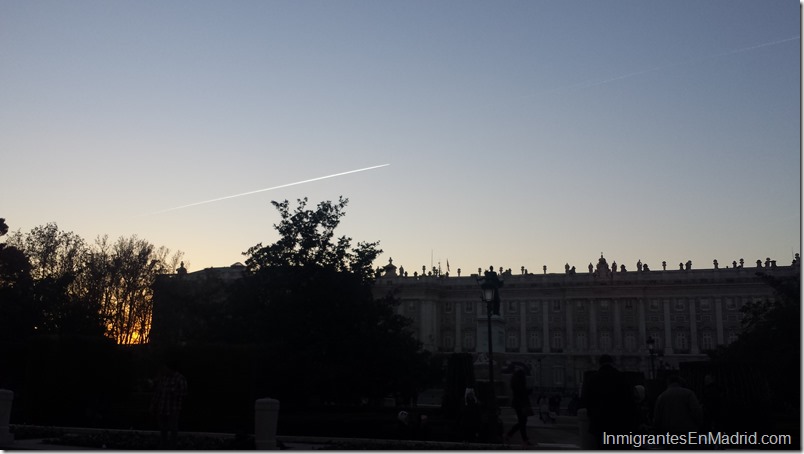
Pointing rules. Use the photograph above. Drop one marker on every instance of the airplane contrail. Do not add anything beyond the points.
(268, 189)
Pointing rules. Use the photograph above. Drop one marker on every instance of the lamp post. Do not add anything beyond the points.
(490, 285)
(651, 345)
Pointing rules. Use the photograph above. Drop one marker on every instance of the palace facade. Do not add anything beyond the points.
(560, 324)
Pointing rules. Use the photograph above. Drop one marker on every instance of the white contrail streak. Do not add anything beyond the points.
(269, 189)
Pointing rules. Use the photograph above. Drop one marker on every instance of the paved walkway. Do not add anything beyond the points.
(563, 434)
(559, 436)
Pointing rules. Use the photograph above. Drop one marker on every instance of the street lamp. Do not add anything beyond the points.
(490, 285)
(651, 345)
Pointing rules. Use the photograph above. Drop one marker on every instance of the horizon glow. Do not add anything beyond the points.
(525, 135)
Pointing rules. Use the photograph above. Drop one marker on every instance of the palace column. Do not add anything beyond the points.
(618, 335)
(693, 329)
(668, 342)
(643, 338)
(429, 324)
(568, 321)
(719, 320)
(458, 339)
(545, 326)
(523, 327)
(592, 325)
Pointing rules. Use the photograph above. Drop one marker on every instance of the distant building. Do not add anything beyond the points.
(181, 300)
(561, 323)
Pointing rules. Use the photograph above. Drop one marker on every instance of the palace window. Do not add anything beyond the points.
(533, 306)
(629, 305)
(469, 307)
(731, 337)
(534, 340)
(630, 342)
(557, 341)
(512, 341)
(658, 340)
(731, 304)
(679, 305)
(682, 341)
(706, 305)
(605, 341)
(448, 342)
(556, 305)
(604, 305)
(707, 341)
(469, 340)
(448, 307)
(513, 307)
(654, 305)
(581, 341)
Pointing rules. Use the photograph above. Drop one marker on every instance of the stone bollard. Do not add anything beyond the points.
(6, 399)
(587, 439)
(266, 413)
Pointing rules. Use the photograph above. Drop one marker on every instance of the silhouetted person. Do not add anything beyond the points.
(609, 402)
(554, 404)
(642, 420)
(520, 401)
(572, 406)
(712, 404)
(544, 410)
(471, 417)
(677, 410)
(412, 425)
(170, 388)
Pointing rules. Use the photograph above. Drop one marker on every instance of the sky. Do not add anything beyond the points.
(516, 133)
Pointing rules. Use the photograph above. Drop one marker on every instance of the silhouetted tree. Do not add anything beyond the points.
(771, 338)
(17, 314)
(105, 288)
(56, 259)
(132, 266)
(306, 238)
(308, 299)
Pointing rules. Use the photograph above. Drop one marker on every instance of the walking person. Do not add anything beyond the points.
(609, 402)
(520, 401)
(712, 404)
(677, 410)
(169, 391)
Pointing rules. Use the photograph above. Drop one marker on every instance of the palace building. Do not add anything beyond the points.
(559, 324)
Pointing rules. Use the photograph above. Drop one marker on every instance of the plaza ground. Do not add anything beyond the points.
(559, 436)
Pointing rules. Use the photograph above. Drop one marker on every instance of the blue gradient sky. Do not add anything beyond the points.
(518, 133)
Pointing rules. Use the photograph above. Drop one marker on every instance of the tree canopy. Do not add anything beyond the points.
(771, 338)
(54, 282)
(306, 239)
(308, 299)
